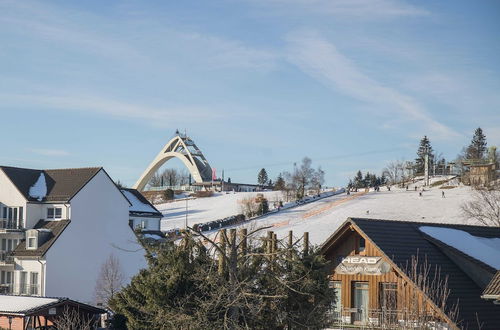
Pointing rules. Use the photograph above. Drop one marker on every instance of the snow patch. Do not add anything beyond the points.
(39, 189)
(19, 304)
(483, 249)
(153, 236)
(137, 205)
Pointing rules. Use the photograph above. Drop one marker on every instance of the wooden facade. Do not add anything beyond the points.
(388, 297)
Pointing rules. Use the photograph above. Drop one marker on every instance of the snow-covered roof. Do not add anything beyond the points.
(138, 205)
(154, 236)
(483, 249)
(20, 304)
(39, 189)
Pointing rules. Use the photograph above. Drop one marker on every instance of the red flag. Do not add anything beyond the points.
(214, 175)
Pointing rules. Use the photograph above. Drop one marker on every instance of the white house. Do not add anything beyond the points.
(57, 227)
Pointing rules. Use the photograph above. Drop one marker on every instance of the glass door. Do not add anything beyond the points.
(360, 302)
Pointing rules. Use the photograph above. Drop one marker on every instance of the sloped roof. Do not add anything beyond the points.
(26, 305)
(401, 240)
(139, 204)
(62, 184)
(55, 227)
(492, 291)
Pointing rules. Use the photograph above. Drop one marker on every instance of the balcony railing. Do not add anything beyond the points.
(6, 288)
(359, 318)
(28, 290)
(10, 224)
(6, 257)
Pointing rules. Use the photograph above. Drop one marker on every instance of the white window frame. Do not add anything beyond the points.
(28, 245)
(54, 213)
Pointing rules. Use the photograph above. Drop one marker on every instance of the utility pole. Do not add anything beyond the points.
(186, 221)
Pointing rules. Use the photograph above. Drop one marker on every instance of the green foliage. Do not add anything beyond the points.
(262, 178)
(424, 148)
(477, 147)
(168, 194)
(185, 287)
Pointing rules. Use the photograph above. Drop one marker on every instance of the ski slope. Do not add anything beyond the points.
(397, 204)
(200, 210)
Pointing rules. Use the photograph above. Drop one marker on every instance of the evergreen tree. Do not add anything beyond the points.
(477, 147)
(367, 180)
(358, 180)
(186, 287)
(424, 148)
(280, 183)
(262, 177)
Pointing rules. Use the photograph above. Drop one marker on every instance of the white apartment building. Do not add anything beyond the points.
(57, 228)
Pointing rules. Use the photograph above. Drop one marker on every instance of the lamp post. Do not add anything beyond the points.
(186, 221)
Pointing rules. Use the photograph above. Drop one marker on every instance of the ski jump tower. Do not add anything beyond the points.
(182, 147)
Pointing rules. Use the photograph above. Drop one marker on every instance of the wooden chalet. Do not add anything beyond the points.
(393, 274)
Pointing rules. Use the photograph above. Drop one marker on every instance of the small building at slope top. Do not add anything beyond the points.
(58, 227)
(389, 273)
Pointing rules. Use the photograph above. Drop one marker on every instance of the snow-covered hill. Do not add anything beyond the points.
(206, 209)
(321, 218)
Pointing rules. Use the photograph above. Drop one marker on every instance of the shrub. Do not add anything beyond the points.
(168, 194)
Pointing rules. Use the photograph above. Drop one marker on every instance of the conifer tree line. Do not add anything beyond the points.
(235, 283)
(367, 181)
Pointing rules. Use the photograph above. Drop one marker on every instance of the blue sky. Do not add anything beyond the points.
(353, 84)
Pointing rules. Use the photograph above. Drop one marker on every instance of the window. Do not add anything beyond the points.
(144, 224)
(32, 243)
(23, 283)
(360, 292)
(360, 245)
(4, 212)
(388, 302)
(54, 213)
(34, 283)
(337, 305)
(4, 244)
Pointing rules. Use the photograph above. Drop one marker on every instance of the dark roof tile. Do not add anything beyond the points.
(55, 227)
(62, 184)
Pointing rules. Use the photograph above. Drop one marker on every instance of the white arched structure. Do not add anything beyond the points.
(182, 147)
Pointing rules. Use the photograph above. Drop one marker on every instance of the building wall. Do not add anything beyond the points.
(151, 223)
(29, 266)
(98, 228)
(17, 322)
(407, 297)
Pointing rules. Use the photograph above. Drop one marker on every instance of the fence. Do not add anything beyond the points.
(359, 318)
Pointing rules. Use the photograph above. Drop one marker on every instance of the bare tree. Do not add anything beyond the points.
(170, 176)
(110, 280)
(317, 180)
(394, 171)
(71, 319)
(484, 207)
(183, 176)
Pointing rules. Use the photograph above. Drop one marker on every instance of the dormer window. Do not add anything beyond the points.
(54, 213)
(32, 243)
(31, 239)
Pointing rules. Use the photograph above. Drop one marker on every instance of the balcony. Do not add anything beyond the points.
(6, 258)
(28, 290)
(10, 225)
(6, 288)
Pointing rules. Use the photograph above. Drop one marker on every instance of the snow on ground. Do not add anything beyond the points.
(397, 204)
(205, 209)
(484, 249)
